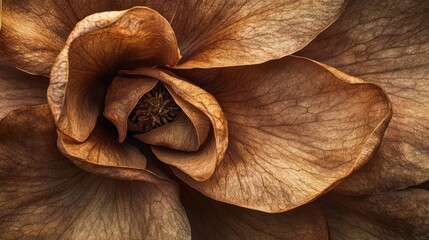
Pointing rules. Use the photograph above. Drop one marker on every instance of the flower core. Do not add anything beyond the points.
(154, 109)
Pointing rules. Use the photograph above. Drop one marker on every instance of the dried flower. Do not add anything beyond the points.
(172, 119)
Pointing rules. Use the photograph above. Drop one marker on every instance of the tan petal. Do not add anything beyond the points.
(98, 47)
(44, 196)
(198, 118)
(201, 164)
(178, 135)
(295, 131)
(215, 220)
(122, 96)
(18, 89)
(397, 215)
(102, 154)
(31, 39)
(386, 43)
(229, 33)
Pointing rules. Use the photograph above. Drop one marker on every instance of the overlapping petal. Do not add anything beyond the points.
(398, 215)
(34, 32)
(18, 89)
(102, 154)
(230, 33)
(215, 220)
(295, 131)
(199, 164)
(210, 34)
(44, 196)
(121, 97)
(96, 50)
(386, 43)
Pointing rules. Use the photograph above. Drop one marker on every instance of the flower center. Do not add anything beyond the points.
(154, 109)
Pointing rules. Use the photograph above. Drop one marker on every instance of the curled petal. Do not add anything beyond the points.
(44, 196)
(31, 39)
(98, 47)
(102, 154)
(211, 219)
(397, 215)
(122, 96)
(386, 43)
(230, 33)
(18, 89)
(296, 130)
(177, 135)
(198, 118)
(201, 164)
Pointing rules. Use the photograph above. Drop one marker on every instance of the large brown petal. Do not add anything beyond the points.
(18, 89)
(34, 32)
(102, 154)
(386, 43)
(201, 164)
(44, 196)
(296, 130)
(397, 215)
(98, 47)
(210, 219)
(121, 98)
(229, 33)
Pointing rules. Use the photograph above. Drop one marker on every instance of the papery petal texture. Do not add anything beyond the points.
(398, 215)
(216, 33)
(295, 131)
(18, 89)
(44, 196)
(230, 33)
(199, 164)
(98, 47)
(31, 39)
(211, 219)
(386, 43)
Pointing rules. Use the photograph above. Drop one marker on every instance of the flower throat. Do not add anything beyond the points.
(154, 109)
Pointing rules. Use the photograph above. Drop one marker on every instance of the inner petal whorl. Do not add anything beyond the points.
(154, 109)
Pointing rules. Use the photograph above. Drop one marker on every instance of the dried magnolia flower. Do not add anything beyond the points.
(214, 119)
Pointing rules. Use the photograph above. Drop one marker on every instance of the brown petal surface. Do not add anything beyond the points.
(98, 47)
(44, 196)
(295, 130)
(34, 32)
(210, 219)
(200, 164)
(122, 96)
(229, 33)
(18, 89)
(102, 154)
(386, 43)
(178, 135)
(397, 215)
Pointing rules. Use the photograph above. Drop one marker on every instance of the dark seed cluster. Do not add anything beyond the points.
(154, 109)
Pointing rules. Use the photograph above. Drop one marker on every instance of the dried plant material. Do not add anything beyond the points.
(121, 97)
(201, 164)
(295, 131)
(386, 43)
(43, 195)
(29, 44)
(178, 135)
(102, 154)
(147, 94)
(397, 215)
(214, 220)
(230, 33)
(18, 89)
(88, 63)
